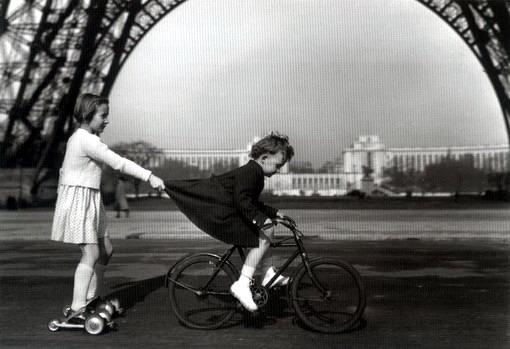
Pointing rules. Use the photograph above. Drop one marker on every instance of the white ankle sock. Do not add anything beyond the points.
(247, 274)
(96, 282)
(82, 278)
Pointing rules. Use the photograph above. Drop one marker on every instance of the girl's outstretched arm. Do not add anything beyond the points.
(99, 151)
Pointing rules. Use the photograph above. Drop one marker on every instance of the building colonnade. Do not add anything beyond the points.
(366, 156)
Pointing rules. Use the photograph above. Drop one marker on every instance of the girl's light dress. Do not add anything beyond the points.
(80, 217)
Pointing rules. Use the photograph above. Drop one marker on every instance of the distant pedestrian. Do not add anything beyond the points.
(228, 208)
(121, 203)
(80, 217)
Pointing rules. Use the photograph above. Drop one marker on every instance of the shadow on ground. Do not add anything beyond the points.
(131, 293)
(277, 306)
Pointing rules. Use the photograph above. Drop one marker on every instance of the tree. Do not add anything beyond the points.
(301, 167)
(139, 152)
(328, 167)
(220, 167)
(408, 181)
(367, 171)
(499, 183)
(175, 169)
(451, 175)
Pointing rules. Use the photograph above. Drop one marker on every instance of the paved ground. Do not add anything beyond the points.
(425, 224)
(421, 294)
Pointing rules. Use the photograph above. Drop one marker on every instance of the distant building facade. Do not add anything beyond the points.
(203, 159)
(347, 172)
(370, 151)
(324, 184)
(206, 159)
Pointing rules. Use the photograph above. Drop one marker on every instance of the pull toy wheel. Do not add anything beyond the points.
(116, 304)
(112, 306)
(53, 325)
(94, 324)
(105, 315)
(107, 306)
(66, 310)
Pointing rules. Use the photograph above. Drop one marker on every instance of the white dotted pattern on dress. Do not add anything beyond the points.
(80, 217)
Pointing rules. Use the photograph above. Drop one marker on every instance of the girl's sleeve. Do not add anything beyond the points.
(243, 198)
(99, 151)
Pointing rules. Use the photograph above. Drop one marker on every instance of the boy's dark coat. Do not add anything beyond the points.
(227, 206)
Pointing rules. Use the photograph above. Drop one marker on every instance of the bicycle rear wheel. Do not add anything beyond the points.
(339, 307)
(199, 306)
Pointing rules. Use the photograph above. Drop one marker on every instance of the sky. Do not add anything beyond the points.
(214, 74)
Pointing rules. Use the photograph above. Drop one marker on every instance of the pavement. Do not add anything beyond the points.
(423, 224)
(420, 294)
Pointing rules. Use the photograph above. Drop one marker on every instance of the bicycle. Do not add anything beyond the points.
(327, 294)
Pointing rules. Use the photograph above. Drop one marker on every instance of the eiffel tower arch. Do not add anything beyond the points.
(485, 27)
(53, 50)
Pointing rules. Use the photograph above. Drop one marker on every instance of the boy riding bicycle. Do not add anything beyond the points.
(228, 208)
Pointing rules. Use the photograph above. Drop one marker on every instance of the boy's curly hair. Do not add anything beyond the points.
(272, 144)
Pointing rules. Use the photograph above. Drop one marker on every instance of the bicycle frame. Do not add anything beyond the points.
(224, 259)
(297, 237)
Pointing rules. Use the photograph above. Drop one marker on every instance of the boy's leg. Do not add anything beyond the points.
(83, 275)
(266, 261)
(241, 288)
(267, 268)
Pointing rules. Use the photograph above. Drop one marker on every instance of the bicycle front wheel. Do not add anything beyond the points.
(200, 292)
(334, 301)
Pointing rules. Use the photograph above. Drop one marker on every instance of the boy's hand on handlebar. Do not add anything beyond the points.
(268, 225)
(156, 183)
(287, 219)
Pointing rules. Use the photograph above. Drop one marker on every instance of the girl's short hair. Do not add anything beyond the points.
(272, 144)
(85, 106)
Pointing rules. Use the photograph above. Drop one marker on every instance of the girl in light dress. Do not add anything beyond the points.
(80, 217)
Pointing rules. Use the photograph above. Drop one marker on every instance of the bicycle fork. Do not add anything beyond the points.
(306, 262)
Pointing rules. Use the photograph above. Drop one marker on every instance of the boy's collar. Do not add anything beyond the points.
(255, 162)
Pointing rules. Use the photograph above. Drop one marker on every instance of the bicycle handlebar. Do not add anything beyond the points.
(286, 221)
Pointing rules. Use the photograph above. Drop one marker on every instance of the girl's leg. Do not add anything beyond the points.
(83, 275)
(105, 253)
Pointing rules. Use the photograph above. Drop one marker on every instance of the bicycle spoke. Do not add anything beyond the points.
(200, 307)
(336, 309)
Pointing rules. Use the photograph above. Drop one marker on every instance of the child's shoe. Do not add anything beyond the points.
(77, 316)
(242, 292)
(93, 302)
(90, 306)
(280, 280)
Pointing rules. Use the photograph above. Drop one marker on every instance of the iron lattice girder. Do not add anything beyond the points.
(50, 52)
(485, 28)
(42, 57)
